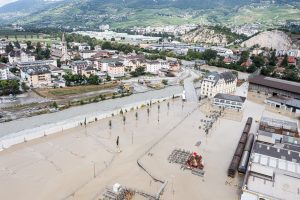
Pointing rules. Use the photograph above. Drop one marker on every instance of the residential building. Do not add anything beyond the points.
(37, 63)
(4, 70)
(78, 66)
(84, 47)
(273, 172)
(214, 83)
(88, 71)
(20, 55)
(229, 101)
(174, 66)
(86, 54)
(116, 70)
(36, 76)
(272, 87)
(153, 66)
(104, 63)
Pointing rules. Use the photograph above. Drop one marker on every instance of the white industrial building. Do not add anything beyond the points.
(229, 101)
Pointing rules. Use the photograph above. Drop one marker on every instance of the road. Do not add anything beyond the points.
(71, 113)
(190, 92)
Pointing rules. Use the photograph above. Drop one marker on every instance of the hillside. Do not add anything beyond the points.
(23, 8)
(205, 35)
(270, 39)
(125, 13)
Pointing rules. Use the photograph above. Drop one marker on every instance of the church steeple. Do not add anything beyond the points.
(63, 38)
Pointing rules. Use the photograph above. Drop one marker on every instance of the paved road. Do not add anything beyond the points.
(100, 107)
(190, 92)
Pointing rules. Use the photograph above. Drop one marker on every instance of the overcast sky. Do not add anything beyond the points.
(2, 2)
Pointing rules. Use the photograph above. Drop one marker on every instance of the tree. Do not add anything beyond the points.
(124, 119)
(3, 59)
(108, 78)
(272, 60)
(259, 61)
(17, 44)
(106, 45)
(251, 69)
(9, 48)
(8, 87)
(93, 80)
(244, 57)
(285, 62)
(164, 81)
(29, 45)
(209, 54)
(47, 53)
(54, 104)
(291, 73)
(139, 71)
(24, 87)
(267, 71)
(109, 124)
(58, 63)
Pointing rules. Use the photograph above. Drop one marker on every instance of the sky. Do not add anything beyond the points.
(3, 2)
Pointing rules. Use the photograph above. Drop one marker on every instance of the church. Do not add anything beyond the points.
(60, 50)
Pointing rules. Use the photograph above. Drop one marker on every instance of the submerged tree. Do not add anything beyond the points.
(124, 120)
(110, 124)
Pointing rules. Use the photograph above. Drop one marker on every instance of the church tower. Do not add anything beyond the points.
(64, 48)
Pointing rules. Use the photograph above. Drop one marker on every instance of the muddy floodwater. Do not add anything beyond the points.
(80, 163)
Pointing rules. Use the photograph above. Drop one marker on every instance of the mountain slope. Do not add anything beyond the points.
(124, 13)
(27, 6)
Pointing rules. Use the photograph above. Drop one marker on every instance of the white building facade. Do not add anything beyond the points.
(3, 71)
(215, 83)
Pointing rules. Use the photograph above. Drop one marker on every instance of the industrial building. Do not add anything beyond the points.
(274, 87)
(274, 167)
(229, 101)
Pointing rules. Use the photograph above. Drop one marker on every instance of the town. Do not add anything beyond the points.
(150, 112)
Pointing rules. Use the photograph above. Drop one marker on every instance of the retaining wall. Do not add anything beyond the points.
(41, 131)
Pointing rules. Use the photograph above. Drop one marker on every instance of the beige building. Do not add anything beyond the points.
(214, 83)
(116, 70)
(88, 71)
(36, 76)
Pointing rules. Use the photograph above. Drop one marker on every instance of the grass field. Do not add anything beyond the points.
(76, 90)
(26, 36)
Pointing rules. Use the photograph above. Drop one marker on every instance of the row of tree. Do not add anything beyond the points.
(77, 79)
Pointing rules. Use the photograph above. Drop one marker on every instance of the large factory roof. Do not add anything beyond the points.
(280, 84)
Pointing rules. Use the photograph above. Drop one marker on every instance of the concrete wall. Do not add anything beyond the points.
(37, 132)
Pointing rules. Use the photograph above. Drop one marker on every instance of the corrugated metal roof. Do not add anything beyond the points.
(289, 86)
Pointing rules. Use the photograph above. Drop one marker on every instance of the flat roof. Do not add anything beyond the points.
(230, 97)
(277, 152)
(283, 186)
(280, 84)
